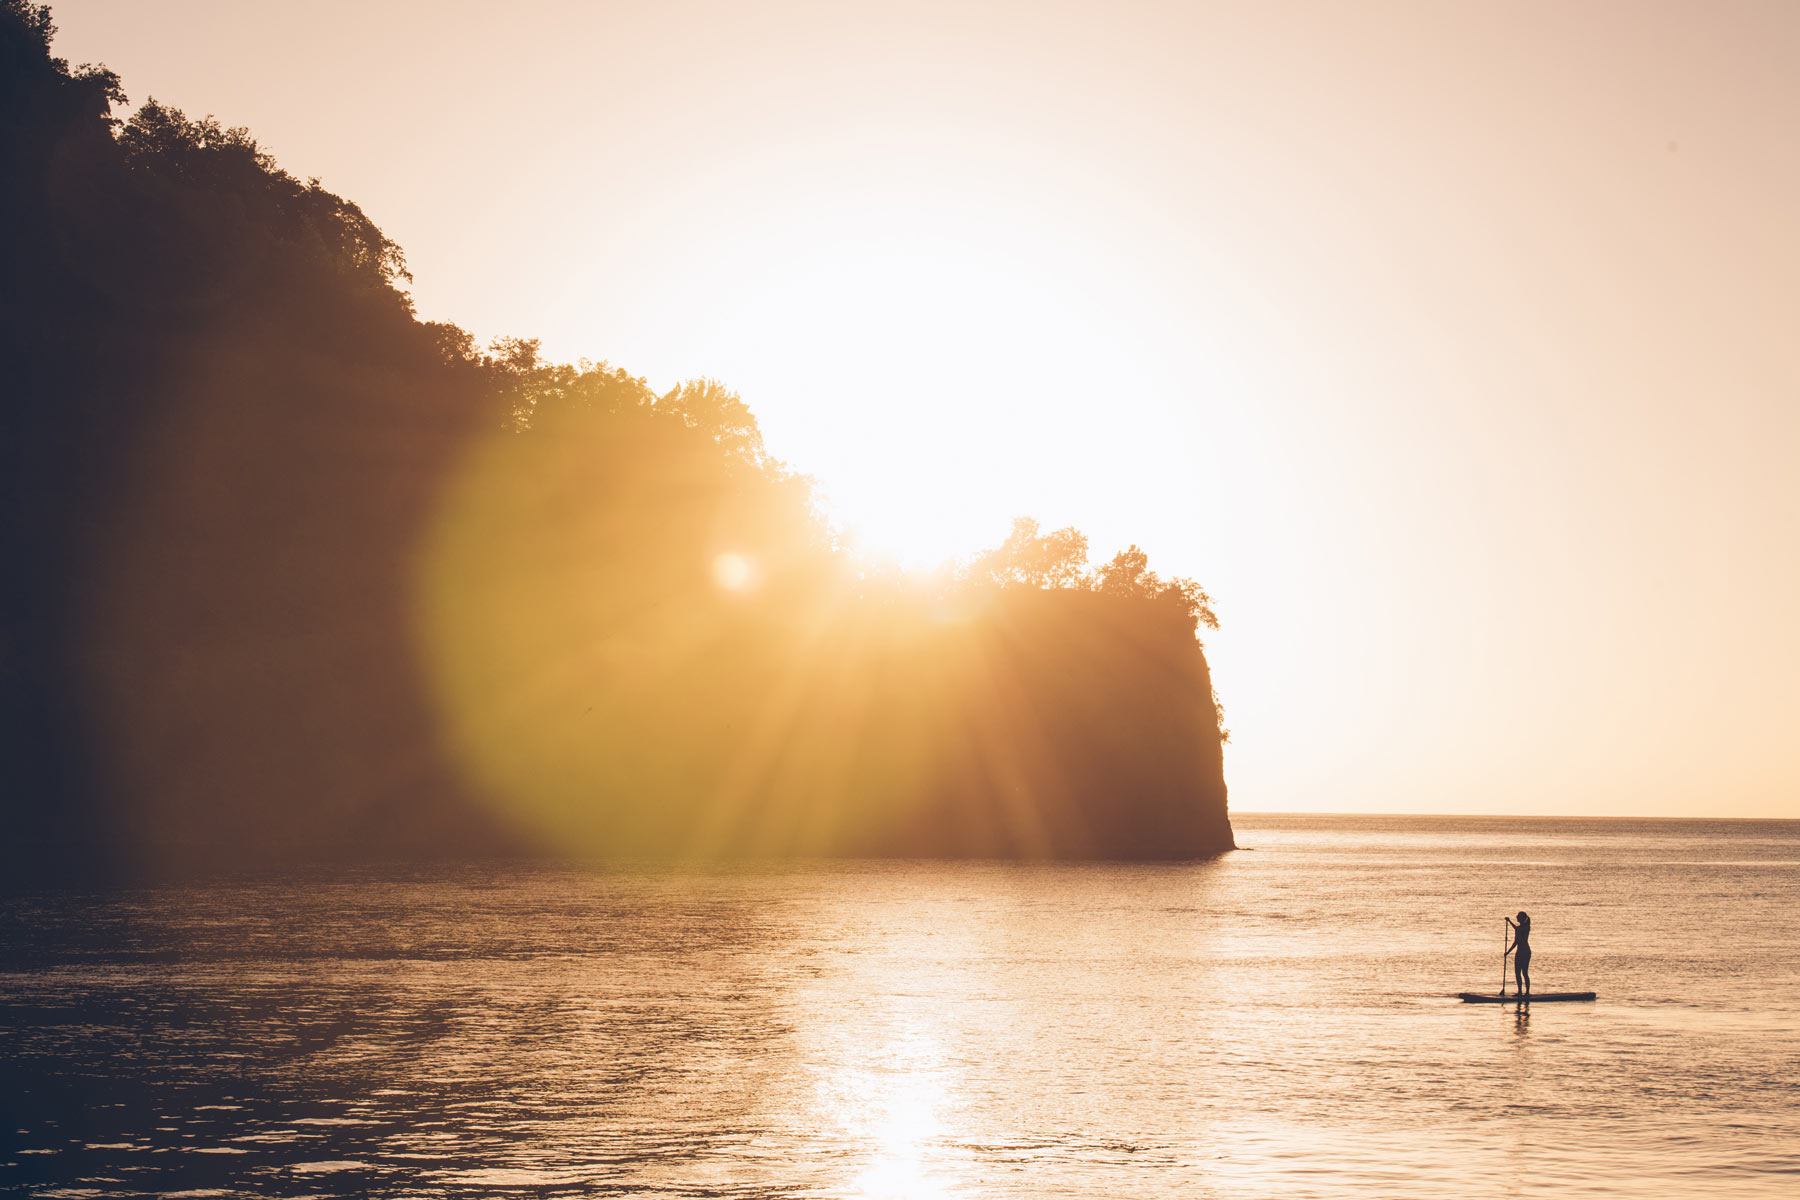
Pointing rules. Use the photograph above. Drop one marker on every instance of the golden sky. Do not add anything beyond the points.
(1454, 347)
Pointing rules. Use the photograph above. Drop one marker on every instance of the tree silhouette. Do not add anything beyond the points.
(1128, 574)
(1028, 558)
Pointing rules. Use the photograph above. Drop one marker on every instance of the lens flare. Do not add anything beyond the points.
(734, 572)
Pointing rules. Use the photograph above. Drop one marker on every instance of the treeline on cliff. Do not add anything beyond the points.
(293, 574)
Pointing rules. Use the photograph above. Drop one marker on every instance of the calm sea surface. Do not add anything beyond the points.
(1274, 1024)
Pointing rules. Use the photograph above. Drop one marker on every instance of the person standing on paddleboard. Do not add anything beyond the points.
(1521, 948)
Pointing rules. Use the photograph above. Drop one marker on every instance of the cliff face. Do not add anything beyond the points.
(1084, 729)
(1043, 724)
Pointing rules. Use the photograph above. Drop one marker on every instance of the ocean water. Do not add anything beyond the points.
(1277, 1023)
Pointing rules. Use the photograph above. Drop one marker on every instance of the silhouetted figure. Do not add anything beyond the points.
(1521, 948)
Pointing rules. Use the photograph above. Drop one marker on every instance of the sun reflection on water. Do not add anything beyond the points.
(894, 1108)
(888, 1056)
(901, 1117)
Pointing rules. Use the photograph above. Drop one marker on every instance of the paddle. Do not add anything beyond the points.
(1505, 949)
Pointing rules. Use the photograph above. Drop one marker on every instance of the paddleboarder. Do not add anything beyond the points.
(1521, 952)
(1517, 942)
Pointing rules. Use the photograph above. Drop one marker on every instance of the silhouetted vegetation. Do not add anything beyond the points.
(293, 573)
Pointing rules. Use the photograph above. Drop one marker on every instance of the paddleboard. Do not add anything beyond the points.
(1534, 998)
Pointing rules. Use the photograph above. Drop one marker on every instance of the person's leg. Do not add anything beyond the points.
(1524, 965)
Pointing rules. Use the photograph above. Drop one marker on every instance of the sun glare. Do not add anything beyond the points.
(940, 360)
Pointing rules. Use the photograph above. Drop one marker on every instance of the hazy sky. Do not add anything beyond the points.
(1454, 347)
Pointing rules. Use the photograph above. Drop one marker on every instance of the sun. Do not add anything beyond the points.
(888, 520)
(937, 359)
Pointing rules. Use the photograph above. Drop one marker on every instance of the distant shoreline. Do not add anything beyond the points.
(1253, 813)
